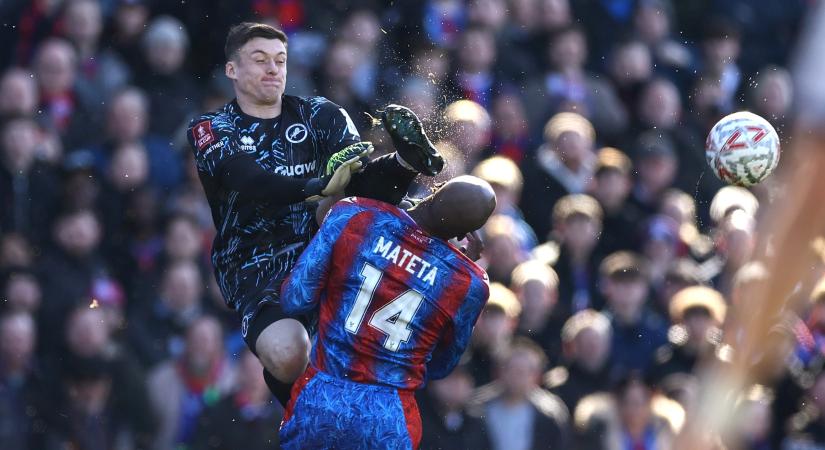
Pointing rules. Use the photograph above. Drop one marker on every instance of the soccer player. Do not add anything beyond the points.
(396, 305)
(263, 160)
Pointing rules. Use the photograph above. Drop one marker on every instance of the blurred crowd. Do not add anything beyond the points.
(614, 254)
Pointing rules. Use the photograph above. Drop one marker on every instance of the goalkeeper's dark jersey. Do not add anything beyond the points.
(258, 242)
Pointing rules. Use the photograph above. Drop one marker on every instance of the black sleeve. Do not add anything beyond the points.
(244, 175)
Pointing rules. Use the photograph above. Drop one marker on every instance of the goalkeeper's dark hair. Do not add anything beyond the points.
(244, 32)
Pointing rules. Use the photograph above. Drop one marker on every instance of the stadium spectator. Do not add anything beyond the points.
(28, 188)
(520, 414)
(613, 182)
(637, 331)
(493, 332)
(68, 270)
(511, 134)
(129, 20)
(18, 94)
(505, 178)
(653, 25)
(577, 225)
(504, 248)
(567, 86)
(158, 331)
(244, 417)
(338, 79)
(562, 165)
(171, 90)
(641, 426)
(89, 354)
(697, 313)
(68, 106)
(474, 77)
(99, 68)
(537, 287)
(771, 96)
(24, 406)
(586, 338)
(468, 126)
(21, 291)
(657, 165)
(721, 46)
(444, 414)
(181, 388)
(127, 122)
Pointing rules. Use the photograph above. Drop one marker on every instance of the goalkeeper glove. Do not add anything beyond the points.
(339, 170)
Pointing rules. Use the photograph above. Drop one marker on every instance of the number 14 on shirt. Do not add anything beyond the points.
(391, 319)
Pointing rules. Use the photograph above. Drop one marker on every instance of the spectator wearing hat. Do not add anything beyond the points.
(637, 330)
(613, 182)
(697, 314)
(493, 332)
(562, 165)
(537, 287)
(577, 224)
(505, 178)
(445, 416)
(586, 338)
(519, 414)
(656, 168)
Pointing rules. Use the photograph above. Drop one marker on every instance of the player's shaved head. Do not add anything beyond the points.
(462, 205)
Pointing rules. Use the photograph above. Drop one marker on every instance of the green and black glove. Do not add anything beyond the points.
(340, 167)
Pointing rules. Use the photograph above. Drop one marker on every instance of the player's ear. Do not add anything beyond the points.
(229, 69)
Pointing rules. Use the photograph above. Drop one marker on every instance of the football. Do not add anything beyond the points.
(742, 149)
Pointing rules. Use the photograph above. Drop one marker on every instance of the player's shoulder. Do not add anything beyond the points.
(368, 204)
(220, 121)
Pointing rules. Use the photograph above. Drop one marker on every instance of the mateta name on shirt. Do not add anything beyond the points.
(405, 259)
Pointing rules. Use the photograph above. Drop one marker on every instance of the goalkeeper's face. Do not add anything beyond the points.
(258, 70)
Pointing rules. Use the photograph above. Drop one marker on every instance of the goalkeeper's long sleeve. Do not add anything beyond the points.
(244, 175)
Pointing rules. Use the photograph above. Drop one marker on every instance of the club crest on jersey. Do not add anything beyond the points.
(296, 133)
(202, 132)
(248, 144)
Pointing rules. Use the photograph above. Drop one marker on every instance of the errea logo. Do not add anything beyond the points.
(248, 144)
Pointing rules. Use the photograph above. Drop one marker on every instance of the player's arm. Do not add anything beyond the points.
(301, 292)
(456, 336)
(334, 126)
(218, 154)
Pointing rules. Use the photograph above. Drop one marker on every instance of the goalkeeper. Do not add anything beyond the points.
(264, 160)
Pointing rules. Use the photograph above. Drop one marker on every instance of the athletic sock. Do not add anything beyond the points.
(282, 391)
